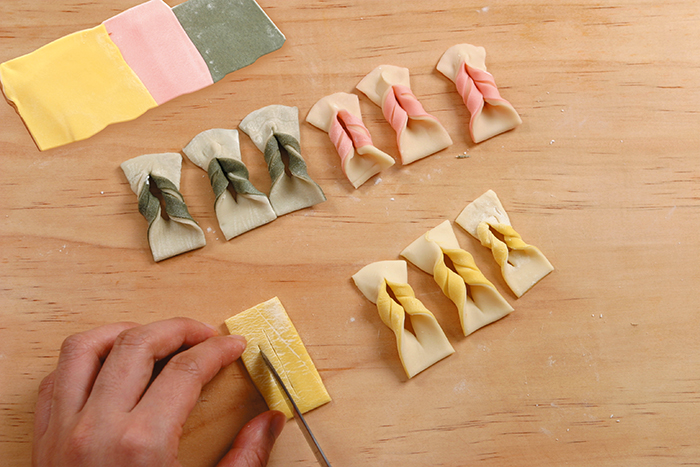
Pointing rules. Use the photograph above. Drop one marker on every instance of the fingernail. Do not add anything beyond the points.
(277, 424)
(213, 328)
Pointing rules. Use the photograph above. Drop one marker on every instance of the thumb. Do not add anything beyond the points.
(254, 442)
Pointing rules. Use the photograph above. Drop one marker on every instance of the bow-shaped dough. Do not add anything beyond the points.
(339, 115)
(477, 300)
(418, 134)
(522, 265)
(272, 129)
(177, 234)
(416, 351)
(490, 114)
(218, 152)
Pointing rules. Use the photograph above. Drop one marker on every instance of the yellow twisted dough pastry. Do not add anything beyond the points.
(522, 265)
(477, 300)
(416, 351)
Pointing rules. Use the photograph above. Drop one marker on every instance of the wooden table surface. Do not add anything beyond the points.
(599, 365)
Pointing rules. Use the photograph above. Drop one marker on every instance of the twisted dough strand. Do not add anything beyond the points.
(511, 240)
(391, 313)
(477, 87)
(348, 131)
(407, 298)
(400, 105)
(466, 267)
(451, 284)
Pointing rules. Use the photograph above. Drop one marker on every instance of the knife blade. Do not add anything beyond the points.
(310, 438)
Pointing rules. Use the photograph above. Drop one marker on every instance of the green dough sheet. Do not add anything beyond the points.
(229, 34)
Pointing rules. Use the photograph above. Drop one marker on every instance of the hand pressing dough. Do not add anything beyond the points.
(154, 45)
(178, 234)
(491, 114)
(229, 34)
(418, 134)
(477, 300)
(218, 152)
(73, 87)
(522, 265)
(339, 115)
(272, 129)
(268, 327)
(417, 351)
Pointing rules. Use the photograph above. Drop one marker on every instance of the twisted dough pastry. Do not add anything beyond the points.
(416, 351)
(239, 206)
(477, 300)
(339, 115)
(275, 128)
(418, 134)
(177, 234)
(490, 114)
(522, 265)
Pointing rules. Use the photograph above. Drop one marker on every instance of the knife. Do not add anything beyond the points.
(318, 452)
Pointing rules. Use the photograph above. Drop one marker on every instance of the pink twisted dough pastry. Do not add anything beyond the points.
(400, 105)
(476, 88)
(348, 131)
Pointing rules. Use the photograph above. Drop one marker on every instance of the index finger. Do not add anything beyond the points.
(173, 394)
(128, 369)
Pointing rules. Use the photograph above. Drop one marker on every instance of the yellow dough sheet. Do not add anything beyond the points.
(268, 327)
(74, 87)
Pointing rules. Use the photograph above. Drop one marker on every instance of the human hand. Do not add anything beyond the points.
(102, 406)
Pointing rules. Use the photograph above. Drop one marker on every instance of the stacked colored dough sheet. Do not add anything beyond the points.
(73, 87)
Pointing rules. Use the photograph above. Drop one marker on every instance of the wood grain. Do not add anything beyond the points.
(598, 366)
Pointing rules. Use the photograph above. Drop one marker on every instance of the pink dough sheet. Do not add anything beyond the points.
(157, 48)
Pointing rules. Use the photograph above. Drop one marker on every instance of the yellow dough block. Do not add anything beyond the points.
(73, 87)
(268, 327)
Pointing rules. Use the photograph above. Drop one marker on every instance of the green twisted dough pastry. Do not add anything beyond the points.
(273, 129)
(416, 351)
(179, 232)
(225, 172)
(239, 206)
(273, 157)
(149, 204)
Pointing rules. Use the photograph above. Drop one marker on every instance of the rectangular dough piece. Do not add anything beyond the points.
(155, 46)
(229, 35)
(268, 327)
(74, 87)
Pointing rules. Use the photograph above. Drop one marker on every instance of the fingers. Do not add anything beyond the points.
(173, 394)
(253, 445)
(42, 412)
(128, 369)
(79, 363)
